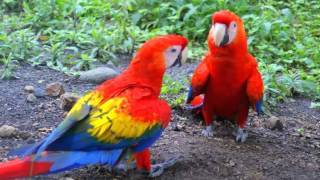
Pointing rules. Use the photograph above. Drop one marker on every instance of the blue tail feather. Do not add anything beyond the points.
(189, 95)
(259, 106)
(66, 160)
(193, 108)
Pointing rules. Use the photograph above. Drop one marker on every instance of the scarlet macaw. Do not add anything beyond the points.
(228, 75)
(122, 115)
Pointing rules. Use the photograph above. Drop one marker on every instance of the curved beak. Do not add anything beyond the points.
(220, 34)
(181, 59)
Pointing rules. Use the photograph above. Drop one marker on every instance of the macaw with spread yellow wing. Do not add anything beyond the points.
(122, 116)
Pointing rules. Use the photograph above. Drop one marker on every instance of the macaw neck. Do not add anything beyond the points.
(227, 52)
(147, 75)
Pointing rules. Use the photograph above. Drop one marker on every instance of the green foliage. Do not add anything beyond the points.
(173, 91)
(8, 66)
(72, 35)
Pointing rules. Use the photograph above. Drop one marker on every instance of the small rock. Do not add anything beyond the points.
(257, 124)
(98, 75)
(24, 134)
(36, 124)
(44, 129)
(274, 123)
(31, 98)
(176, 127)
(40, 81)
(67, 100)
(29, 89)
(38, 92)
(54, 89)
(42, 106)
(65, 114)
(231, 163)
(7, 131)
(66, 178)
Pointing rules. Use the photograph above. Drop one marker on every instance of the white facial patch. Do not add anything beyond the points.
(232, 31)
(171, 55)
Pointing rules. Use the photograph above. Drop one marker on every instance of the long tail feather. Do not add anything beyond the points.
(53, 162)
(20, 168)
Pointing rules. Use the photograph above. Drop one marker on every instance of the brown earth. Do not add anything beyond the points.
(293, 153)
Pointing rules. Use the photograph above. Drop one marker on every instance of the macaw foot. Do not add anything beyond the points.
(241, 135)
(125, 166)
(158, 169)
(208, 132)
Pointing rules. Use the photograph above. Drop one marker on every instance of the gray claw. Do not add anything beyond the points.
(158, 169)
(126, 166)
(208, 132)
(241, 135)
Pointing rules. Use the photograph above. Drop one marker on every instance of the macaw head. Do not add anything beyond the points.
(227, 32)
(155, 56)
(162, 52)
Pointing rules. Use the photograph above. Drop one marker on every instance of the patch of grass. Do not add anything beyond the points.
(8, 67)
(71, 35)
(173, 91)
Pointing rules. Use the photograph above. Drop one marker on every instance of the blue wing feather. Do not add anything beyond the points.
(189, 95)
(62, 160)
(259, 106)
(77, 139)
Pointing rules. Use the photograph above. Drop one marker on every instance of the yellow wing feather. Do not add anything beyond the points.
(110, 120)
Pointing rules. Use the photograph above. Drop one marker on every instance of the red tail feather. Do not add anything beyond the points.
(20, 168)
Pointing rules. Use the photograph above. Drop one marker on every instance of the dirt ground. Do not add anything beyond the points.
(293, 153)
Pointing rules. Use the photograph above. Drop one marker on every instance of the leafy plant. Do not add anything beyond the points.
(8, 65)
(173, 91)
(74, 35)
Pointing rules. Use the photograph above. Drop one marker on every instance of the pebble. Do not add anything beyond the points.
(67, 100)
(98, 75)
(274, 123)
(29, 89)
(38, 92)
(31, 98)
(36, 124)
(55, 89)
(66, 178)
(24, 134)
(7, 131)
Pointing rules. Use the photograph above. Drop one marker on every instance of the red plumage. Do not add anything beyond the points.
(22, 168)
(228, 75)
(133, 125)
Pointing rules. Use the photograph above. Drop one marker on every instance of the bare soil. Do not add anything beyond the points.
(293, 153)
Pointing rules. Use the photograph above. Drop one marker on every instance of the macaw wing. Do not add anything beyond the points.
(199, 81)
(78, 113)
(98, 124)
(255, 90)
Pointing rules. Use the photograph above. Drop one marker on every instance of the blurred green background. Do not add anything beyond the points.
(70, 35)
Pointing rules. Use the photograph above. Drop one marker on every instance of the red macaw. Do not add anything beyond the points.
(228, 75)
(122, 116)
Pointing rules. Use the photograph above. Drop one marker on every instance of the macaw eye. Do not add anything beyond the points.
(233, 25)
(173, 50)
